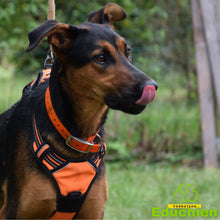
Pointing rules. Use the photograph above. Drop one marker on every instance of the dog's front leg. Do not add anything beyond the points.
(94, 204)
(37, 198)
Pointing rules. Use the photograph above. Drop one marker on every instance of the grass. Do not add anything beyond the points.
(135, 188)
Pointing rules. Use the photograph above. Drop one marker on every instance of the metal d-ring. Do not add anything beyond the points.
(100, 138)
(48, 63)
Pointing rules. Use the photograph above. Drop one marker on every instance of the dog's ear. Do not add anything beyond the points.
(37, 35)
(107, 15)
(60, 35)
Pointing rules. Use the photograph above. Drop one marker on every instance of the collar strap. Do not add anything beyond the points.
(78, 144)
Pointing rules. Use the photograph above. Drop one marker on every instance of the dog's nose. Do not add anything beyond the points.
(153, 83)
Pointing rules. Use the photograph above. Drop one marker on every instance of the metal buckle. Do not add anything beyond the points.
(81, 141)
(68, 140)
(89, 148)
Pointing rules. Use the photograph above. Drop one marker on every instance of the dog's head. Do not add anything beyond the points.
(96, 61)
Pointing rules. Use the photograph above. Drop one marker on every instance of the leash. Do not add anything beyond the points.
(51, 10)
(50, 15)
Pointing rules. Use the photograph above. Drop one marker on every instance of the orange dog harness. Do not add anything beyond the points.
(72, 177)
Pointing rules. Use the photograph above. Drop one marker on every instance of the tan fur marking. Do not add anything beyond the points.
(3, 208)
(38, 197)
(108, 46)
(120, 42)
(90, 107)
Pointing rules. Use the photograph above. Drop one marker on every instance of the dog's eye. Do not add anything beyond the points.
(100, 58)
(128, 54)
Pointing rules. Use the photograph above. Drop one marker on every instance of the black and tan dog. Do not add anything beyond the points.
(51, 141)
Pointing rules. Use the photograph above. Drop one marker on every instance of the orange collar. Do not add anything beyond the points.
(78, 144)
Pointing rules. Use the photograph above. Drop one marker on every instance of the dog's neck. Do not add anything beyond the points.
(82, 115)
(88, 114)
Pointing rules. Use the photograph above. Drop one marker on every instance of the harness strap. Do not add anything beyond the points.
(81, 145)
(72, 178)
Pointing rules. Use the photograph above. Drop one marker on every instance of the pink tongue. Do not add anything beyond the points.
(147, 95)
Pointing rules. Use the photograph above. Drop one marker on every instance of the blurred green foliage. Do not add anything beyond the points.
(159, 31)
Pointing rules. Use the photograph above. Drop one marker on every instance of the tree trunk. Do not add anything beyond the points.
(205, 89)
